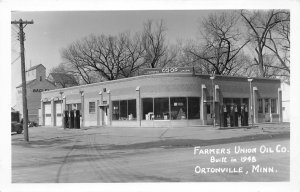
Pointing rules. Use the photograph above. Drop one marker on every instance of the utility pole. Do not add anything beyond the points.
(22, 24)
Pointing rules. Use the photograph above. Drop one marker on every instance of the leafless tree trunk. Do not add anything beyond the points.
(260, 26)
(153, 39)
(221, 44)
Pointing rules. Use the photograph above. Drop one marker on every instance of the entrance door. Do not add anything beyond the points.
(105, 116)
(209, 114)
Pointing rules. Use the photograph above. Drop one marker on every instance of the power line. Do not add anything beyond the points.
(16, 59)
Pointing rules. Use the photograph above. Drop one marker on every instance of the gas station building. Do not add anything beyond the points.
(167, 98)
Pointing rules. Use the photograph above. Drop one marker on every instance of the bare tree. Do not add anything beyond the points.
(260, 25)
(105, 55)
(115, 57)
(61, 76)
(153, 39)
(221, 44)
(76, 64)
(279, 44)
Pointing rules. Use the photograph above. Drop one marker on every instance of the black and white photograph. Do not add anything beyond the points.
(194, 96)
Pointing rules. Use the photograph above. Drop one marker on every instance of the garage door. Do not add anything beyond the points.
(47, 114)
(58, 113)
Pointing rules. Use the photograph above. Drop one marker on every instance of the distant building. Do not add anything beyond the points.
(285, 87)
(62, 80)
(36, 83)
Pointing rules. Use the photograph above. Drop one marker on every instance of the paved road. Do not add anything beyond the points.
(133, 155)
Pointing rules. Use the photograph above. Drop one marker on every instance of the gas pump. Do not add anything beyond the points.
(224, 116)
(65, 120)
(77, 119)
(71, 120)
(243, 115)
(231, 116)
(236, 116)
(246, 115)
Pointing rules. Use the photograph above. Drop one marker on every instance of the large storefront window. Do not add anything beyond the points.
(115, 110)
(175, 108)
(193, 107)
(131, 109)
(161, 108)
(178, 108)
(147, 104)
(260, 106)
(273, 106)
(124, 110)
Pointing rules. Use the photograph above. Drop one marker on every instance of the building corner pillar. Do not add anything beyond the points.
(138, 105)
(82, 109)
(42, 114)
(255, 105)
(100, 115)
(279, 101)
(52, 112)
(203, 114)
(109, 108)
(64, 103)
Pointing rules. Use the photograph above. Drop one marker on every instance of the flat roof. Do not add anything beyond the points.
(204, 76)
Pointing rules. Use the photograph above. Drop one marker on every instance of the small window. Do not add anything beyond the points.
(92, 107)
(40, 78)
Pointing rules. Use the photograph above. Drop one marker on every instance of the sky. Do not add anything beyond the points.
(53, 31)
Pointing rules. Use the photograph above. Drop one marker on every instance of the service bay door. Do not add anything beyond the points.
(47, 114)
(58, 113)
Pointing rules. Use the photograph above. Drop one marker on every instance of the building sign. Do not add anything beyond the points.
(151, 71)
(34, 90)
(39, 90)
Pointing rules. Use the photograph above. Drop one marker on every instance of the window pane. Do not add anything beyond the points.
(78, 106)
(92, 108)
(194, 108)
(123, 110)
(161, 108)
(260, 106)
(69, 107)
(132, 109)
(227, 100)
(207, 108)
(115, 110)
(267, 105)
(245, 101)
(147, 104)
(178, 108)
(273, 106)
